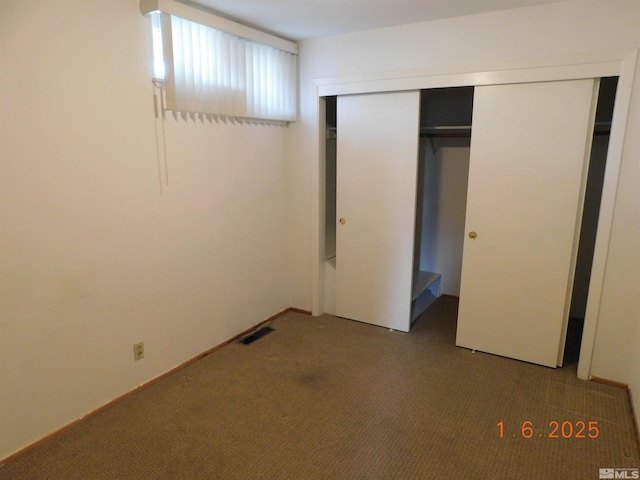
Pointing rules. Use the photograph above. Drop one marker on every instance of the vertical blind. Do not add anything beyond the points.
(211, 71)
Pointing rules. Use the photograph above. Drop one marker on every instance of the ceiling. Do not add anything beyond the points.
(304, 19)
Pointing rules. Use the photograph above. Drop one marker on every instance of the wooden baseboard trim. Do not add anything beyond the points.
(611, 383)
(299, 310)
(154, 380)
(635, 416)
(626, 387)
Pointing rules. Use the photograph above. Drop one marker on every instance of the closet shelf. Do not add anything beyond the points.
(422, 281)
(425, 291)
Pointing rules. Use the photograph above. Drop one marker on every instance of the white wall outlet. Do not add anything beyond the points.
(138, 351)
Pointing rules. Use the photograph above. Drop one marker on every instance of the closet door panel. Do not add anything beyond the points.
(529, 148)
(377, 153)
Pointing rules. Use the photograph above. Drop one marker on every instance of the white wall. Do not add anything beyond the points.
(512, 35)
(93, 257)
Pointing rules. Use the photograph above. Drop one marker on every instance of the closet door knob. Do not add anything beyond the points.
(342, 221)
(473, 235)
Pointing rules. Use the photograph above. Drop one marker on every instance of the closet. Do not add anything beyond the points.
(441, 129)
(443, 170)
(590, 216)
(506, 241)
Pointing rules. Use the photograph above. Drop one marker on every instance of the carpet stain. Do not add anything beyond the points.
(309, 378)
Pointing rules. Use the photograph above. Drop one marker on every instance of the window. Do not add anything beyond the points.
(207, 70)
(158, 53)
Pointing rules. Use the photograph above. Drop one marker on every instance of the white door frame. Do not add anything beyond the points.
(621, 63)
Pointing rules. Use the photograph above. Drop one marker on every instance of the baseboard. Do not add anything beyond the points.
(611, 383)
(634, 415)
(298, 310)
(154, 380)
(625, 386)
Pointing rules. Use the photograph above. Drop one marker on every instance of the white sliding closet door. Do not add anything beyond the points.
(529, 147)
(377, 155)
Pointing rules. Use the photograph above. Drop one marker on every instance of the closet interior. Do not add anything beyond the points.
(441, 199)
(330, 203)
(443, 168)
(590, 214)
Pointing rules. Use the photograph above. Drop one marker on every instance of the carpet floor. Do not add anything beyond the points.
(331, 398)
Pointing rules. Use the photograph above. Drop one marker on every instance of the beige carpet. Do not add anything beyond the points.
(331, 398)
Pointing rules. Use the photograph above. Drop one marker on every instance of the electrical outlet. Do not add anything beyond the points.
(138, 351)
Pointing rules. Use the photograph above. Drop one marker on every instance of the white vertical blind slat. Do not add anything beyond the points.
(217, 73)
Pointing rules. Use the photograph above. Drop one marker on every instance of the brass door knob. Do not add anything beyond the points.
(473, 235)
(342, 221)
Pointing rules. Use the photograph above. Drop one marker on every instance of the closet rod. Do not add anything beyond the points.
(446, 131)
(463, 131)
(600, 128)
